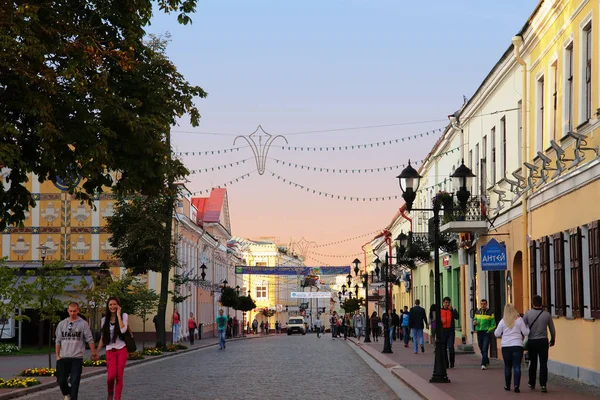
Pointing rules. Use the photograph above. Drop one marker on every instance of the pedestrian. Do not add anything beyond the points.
(255, 326)
(192, 328)
(338, 326)
(417, 321)
(72, 333)
(248, 327)
(484, 323)
(333, 322)
(262, 327)
(405, 326)
(448, 315)
(114, 326)
(155, 322)
(266, 327)
(512, 329)
(276, 326)
(175, 322)
(395, 323)
(345, 325)
(229, 330)
(358, 321)
(375, 326)
(432, 323)
(221, 327)
(539, 322)
(318, 324)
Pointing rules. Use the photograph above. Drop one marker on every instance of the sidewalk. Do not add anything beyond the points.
(10, 366)
(468, 381)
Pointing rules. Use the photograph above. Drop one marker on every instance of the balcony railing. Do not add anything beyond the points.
(472, 218)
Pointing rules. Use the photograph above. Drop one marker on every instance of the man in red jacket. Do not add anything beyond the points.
(448, 315)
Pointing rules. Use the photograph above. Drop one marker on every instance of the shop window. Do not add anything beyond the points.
(545, 273)
(533, 268)
(594, 245)
(576, 272)
(560, 300)
(261, 292)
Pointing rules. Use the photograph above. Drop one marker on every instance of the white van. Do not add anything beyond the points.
(296, 325)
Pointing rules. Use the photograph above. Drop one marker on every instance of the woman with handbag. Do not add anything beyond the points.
(114, 329)
(512, 330)
(191, 328)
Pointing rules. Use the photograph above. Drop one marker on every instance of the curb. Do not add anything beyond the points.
(419, 385)
(49, 385)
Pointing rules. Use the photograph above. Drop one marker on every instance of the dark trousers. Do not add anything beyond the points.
(538, 348)
(192, 335)
(512, 363)
(69, 368)
(483, 339)
(448, 339)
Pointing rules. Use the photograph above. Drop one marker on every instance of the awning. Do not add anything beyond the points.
(75, 281)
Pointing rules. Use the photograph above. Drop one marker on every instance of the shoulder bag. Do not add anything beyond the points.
(526, 342)
(129, 342)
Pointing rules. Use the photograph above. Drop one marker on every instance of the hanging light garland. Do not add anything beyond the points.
(336, 256)
(338, 170)
(210, 152)
(219, 167)
(231, 182)
(349, 239)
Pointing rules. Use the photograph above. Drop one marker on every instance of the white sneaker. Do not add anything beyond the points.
(483, 367)
(68, 397)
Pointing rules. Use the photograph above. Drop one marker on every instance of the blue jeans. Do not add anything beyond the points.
(483, 338)
(448, 339)
(175, 333)
(391, 333)
(68, 370)
(406, 334)
(512, 361)
(416, 334)
(222, 338)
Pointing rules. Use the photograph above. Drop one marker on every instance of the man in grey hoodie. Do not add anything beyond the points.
(539, 322)
(72, 334)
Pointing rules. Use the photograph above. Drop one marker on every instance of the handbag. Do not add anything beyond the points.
(526, 341)
(129, 342)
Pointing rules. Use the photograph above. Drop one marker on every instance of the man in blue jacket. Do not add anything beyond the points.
(417, 321)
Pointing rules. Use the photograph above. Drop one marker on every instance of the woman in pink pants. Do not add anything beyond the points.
(114, 325)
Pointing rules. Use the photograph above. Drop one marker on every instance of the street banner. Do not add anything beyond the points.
(311, 295)
(493, 256)
(282, 270)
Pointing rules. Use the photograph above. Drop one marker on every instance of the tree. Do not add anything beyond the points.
(146, 303)
(95, 296)
(351, 305)
(122, 289)
(80, 90)
(14, 293)
(48, 296)
(245, 304)
(229, 297)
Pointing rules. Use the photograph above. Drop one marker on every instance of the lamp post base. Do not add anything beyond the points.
(367, 336)
(439, 366)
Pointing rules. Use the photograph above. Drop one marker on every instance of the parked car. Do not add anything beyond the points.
(296, 325)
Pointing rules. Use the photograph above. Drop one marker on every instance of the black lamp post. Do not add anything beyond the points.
(340, 296)
(203, 274)
(356, 290)
(387, 345)
(237, 289)
(356, 263)
(349, 295)
(344, 289)
(409, 180)
(349, 279)
(43, 252)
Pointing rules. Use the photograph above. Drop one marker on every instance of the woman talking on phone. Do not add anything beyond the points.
(114, 325)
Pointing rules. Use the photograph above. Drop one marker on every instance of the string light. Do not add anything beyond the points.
(348, 239)
(231, 182)
(219, 167)
(336, 256)
(338, 170)
(210, 152)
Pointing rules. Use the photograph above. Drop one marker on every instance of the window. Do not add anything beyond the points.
(545, 273)
(533, 268)
(587, 65)
(483, 172)
(520, 132)
(540, 115)
(569, 87)
(503, 138)
(476, 191)
(555, 135)
(261, 292)
(560, 299)
(594, 245)
(493, 156)
(471, 168)
(576, 273)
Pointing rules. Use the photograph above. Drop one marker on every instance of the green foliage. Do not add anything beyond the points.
(14, 292)
(178, 282)
(268, 313)
(245, 303)
(82, 94)
(351, 305)
(229, 297)
(94, 297)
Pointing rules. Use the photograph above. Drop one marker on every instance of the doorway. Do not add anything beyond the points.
(517, 284)
(496, 301)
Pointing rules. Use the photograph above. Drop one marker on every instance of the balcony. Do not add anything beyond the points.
(472, 219)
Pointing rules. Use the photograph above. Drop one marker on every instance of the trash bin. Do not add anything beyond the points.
(200, 331)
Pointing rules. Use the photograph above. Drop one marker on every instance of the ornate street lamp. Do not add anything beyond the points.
(203, 274)
(402, 240)
(356, 290)
(237, 289)
(356, 263)
(340, 296)
(344, 289)
(349, 295)
(409, 184)
(377, 270)
(349, 279)
(43, 252)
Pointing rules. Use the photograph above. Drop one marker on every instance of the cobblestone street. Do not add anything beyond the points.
(271, 368)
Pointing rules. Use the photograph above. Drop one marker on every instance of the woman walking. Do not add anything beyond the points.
(114, 326)
(175, 321)
(432, 323)
(375, 326)
(192, 327)
(512, 330)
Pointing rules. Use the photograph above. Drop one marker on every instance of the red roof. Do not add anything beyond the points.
(209, 208)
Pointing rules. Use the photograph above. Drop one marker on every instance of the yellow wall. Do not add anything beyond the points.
(574, 343)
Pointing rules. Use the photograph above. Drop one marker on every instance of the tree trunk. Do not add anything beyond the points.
(144, 336)
(40, 330)
(161, 335)
(50, 347)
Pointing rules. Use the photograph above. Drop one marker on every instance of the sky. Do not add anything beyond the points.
(363, 71)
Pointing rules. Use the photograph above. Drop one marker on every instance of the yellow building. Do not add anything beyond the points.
(560, 49)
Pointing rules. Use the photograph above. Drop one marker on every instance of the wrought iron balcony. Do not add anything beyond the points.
(473, 218)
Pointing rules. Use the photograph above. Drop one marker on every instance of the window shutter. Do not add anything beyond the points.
(560, 301)
(576, 275)
(545, 273)
(532, 268)
(594, 245)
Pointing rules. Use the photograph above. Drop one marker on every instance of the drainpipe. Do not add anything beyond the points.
(517, 42)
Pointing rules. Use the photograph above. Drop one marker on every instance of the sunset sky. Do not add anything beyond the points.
(304, 66)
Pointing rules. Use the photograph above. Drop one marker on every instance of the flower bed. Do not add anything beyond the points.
(181, 346)
(38, 372)
(94, 363)
(136, 356)
(152, 351)
(16, 383)
(6, 348)
(170, 348)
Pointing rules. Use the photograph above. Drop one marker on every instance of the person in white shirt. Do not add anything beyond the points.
(116, 350)
(512, 330)
(318, 325)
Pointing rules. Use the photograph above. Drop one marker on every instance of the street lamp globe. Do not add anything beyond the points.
(462, 179)
(409, 180)
(203, 274)
(237, 289)
(225, 282)
(344, 289)
(402, 240)
(356, 262)
(349, 279)
(356, 290)
(377, 262)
